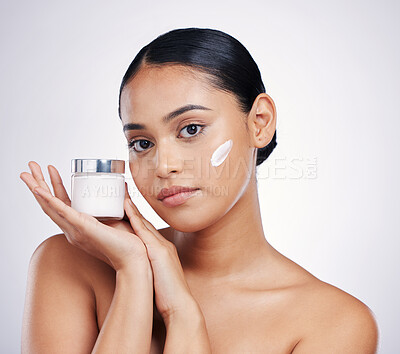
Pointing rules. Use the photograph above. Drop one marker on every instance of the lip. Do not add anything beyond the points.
(179, 198)
(168, 192)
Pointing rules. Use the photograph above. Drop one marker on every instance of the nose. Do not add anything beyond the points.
(167, 160)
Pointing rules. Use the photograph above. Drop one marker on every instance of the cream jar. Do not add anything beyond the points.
(98, 187)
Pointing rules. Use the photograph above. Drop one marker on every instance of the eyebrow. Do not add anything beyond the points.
(168, 117)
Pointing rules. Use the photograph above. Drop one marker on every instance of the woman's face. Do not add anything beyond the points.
(178, 151)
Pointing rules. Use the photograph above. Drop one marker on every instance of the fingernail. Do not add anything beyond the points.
(36, 192)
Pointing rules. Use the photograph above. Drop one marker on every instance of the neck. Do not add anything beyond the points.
(229, 248)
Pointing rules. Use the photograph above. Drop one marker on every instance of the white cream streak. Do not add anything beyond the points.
(221, 153)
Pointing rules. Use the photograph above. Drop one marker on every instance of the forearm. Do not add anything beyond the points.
(187, 333)
(128, 325)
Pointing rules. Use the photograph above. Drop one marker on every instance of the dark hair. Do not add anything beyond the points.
(230, 65)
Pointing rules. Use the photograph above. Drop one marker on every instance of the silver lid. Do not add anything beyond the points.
(97, 165)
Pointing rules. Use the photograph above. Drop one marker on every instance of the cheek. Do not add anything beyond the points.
(221, 153)
(230, 165)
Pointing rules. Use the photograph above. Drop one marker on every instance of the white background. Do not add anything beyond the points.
(332, 69)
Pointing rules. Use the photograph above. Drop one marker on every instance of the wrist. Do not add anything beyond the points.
(189, 313)
(136, 269)
(187, 332)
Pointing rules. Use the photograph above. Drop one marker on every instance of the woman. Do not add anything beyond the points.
(195, 114)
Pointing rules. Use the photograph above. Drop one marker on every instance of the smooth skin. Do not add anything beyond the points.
(219, 286)
(140, 256)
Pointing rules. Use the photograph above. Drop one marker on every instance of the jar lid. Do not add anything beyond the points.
(97, 165)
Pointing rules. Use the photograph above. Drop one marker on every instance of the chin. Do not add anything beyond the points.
(191, 223)
(187, 228)
(192, 218)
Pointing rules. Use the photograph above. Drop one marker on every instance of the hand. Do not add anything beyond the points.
(116, 245)
(172, 293)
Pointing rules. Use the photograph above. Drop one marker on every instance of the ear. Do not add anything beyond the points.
(261, 120)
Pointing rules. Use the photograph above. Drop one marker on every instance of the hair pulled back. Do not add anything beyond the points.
(214, 52)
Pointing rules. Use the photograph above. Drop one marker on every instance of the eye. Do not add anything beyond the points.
(132, 145)
(137, 145)
(192, 129)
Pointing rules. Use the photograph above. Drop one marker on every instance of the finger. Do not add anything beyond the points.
(32, 185)
(64, 225)
(74, 217)
(127, 196)
(75, 233)
(76, 223)
(29, 180)
(58, 186)
(38, 175)
(136, 210)
(139, 225)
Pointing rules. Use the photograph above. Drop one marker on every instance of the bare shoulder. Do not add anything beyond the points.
(60, 302)
(55, 246)
(57, 251)
(336, 320)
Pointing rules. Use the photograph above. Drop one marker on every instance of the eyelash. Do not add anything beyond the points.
(131, 143)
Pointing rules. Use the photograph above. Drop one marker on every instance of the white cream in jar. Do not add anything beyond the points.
(98, 187)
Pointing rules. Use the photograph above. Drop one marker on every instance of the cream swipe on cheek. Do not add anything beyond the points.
(221, 153)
